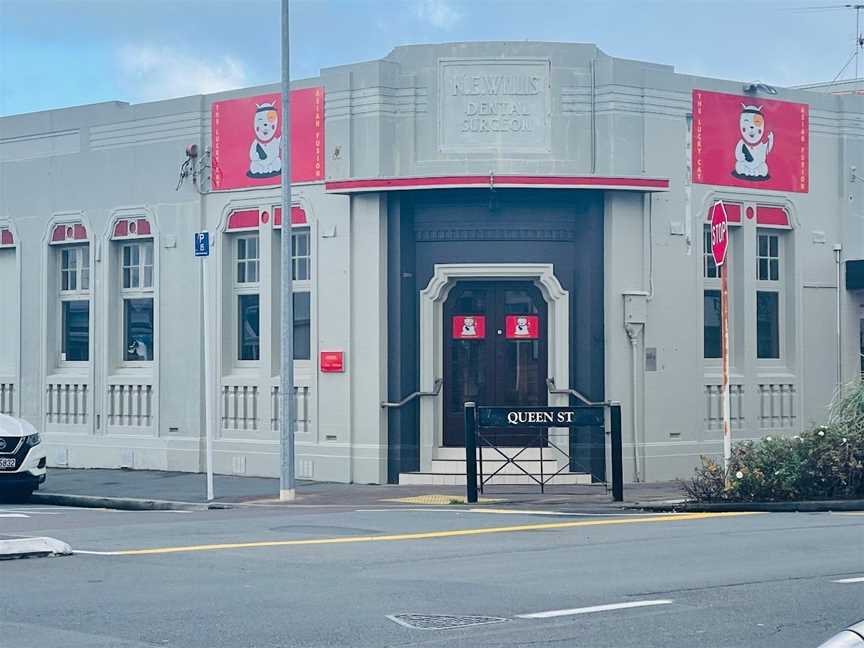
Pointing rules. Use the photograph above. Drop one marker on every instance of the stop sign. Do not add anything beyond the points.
(719, 232)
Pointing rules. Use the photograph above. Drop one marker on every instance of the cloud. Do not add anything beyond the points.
(150, 73)
(438, 13)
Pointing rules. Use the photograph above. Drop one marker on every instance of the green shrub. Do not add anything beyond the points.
(825, 463)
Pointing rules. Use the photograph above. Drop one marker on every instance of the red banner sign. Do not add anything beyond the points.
(522, 327)
(246, 140)
(469, 327)
(750, 142)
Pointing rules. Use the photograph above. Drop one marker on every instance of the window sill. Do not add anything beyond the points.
(774, 372)
(246, 366)
(716, 374)
(236, 375)
(73, 368)
(136, 365)
(67, 373)
(137, 370)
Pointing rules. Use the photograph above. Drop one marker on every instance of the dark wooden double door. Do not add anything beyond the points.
(493, 369)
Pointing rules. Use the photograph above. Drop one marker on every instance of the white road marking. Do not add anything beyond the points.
(13, 515)
(459, 511)
(500, 511)
(148, 511)
(594, 608)
(858, 579)
(31, 511)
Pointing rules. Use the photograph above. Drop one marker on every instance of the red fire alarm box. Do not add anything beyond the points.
(522, 327)
(332, 361)
(469, 327)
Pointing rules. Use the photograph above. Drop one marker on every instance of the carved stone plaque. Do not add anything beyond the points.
(498, 104)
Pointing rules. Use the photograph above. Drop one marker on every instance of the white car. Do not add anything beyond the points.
(22, 457)
(851, 637)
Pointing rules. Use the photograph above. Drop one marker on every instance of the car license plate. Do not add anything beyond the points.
(7, 462)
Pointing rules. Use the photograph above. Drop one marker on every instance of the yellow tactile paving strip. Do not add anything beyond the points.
(440, 500)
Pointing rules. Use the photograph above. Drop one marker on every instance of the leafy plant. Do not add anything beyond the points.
(824, 463)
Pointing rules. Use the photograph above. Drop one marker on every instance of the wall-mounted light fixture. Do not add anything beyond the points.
(194, 167)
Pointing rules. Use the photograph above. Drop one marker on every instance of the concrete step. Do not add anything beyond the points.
(439, 479)
(457, 467)
(492, 453)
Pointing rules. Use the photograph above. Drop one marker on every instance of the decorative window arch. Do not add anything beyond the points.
(298, 216)
(243, 220)
(766, 215)
(64, 233)
(131, 228)
(246, 220)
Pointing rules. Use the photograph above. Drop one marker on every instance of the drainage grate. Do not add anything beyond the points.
(441, 621)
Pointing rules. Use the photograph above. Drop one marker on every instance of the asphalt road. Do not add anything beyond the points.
(270, 577)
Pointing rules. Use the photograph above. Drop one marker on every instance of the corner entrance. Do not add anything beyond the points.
(495, 351)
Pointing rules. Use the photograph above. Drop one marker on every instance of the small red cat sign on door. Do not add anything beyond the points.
(522, 327)
(469, 327)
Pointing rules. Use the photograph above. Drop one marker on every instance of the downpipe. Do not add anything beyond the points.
(633, 335)
(838, 251)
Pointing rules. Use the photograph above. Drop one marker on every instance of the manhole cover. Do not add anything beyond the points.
(441, 621)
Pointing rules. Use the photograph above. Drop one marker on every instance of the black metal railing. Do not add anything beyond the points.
(531, 425)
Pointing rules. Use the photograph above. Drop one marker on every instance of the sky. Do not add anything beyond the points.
(58, 53)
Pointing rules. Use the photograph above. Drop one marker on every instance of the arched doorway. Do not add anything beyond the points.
(495, 351)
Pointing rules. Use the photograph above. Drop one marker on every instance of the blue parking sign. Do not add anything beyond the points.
(202, 244)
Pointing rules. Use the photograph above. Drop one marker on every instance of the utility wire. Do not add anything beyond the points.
(854, 54)
(818, 9)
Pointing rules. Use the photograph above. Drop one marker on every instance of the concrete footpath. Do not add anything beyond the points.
(153, 490)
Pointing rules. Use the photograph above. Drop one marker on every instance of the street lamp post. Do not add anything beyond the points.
(286, 384)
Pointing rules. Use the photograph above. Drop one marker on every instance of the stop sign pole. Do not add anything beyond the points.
(719, 250)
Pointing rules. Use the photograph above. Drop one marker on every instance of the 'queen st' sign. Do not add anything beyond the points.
(512, 417)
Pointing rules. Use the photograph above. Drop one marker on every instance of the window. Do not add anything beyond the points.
(74, 303)
(301, 254)
(249, 285)
(767, 324)
(712, 319)
(138, 265)
(713, 329)
(136, 289)
(248, 318)
(768, 257)
(301, 265)
(75, 268)
(138, 328)
(709, 268)
(75, 345)
(769, 246)
(302, 326)
(247, 276)
(247, 259)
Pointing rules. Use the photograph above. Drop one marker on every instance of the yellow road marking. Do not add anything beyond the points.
(423, 535)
